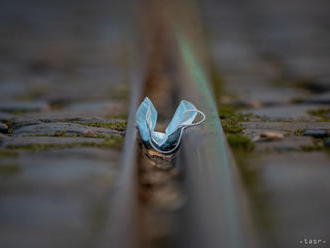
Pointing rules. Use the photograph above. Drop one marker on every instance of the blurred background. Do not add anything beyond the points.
(64, 93)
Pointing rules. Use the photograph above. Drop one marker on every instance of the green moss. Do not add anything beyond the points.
(230, 112)
(111, 142)
(230, 119)
(9, 123)
(231, 126)
(94, 135)
(60, 133)
(323, 113)
(240, 142)
(9, 169)
(63, 134)
(227, 111)
(299, 132)
(116, 125)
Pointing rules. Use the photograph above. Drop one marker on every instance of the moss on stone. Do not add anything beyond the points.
(231, 126)
(59, 133)
(230, 119)
(227, 111)
(9, 123)
(323, 113)
(112, 141)
(299, 132)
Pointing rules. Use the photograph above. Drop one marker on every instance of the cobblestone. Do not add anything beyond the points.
(61, 129)
(316, 133)
(297, 112)
(22, 107)
(254, 128)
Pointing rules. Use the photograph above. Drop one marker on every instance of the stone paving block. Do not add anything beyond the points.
(254, 128)
(285, 112)
(262, 92)
(317, 133)
(68, 114)
(318, 99)
(10, 89)
(112, 107)
(55, 141)
(287, 144)
(6, 116)
(63, 129)
(22, 106)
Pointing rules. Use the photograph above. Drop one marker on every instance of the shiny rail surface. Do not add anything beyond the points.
(121, 225)
(215, 212)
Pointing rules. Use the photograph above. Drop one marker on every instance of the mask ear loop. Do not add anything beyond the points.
(183, 126)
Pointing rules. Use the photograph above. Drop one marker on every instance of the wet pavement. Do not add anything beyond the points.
(63, 108)
(273, 59)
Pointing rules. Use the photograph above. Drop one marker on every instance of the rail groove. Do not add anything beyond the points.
(198, 200)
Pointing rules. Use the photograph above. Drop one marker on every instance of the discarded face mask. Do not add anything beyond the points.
(168, 142)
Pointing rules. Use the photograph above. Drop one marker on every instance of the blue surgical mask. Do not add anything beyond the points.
(168, 142)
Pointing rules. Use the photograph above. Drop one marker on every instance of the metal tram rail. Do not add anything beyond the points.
(212, 208)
